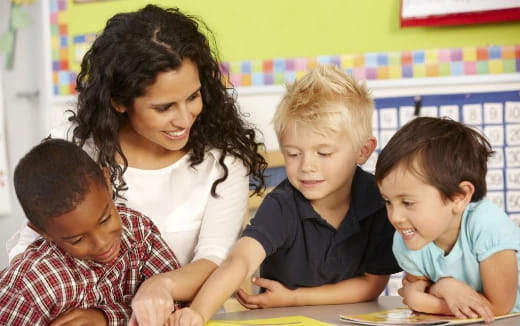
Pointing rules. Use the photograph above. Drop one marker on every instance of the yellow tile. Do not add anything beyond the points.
(347, 61)
(496, 67)
(432, 56)
(469, 54)
(395, 72)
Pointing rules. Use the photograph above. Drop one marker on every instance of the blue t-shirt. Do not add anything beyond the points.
(485, 230)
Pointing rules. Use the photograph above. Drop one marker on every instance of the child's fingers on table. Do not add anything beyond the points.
(243, 299)
(264, 282)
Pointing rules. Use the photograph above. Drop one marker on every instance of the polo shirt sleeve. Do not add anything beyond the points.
(487, 216)
(380, 259)
(271, 225)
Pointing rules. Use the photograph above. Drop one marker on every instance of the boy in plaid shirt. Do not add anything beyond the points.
(92, 256)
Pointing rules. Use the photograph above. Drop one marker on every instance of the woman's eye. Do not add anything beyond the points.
(407, 203)
(194, 96)
(161, 108)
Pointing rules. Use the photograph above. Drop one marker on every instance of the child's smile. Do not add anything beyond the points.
(418, 212)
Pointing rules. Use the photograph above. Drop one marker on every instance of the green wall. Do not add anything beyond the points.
(263, 29)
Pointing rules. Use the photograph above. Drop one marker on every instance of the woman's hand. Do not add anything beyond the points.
(153, 303)
(81, 317)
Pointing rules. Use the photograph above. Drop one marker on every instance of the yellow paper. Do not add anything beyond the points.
(280, 321)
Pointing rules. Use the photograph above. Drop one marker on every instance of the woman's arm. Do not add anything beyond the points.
(17, 244)
(154, 301)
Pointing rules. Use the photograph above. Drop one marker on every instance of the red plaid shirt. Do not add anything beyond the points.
(46, 281)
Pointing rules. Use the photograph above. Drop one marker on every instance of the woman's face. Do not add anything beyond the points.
(163, 117)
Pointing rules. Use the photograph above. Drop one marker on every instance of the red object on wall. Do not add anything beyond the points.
(477, 17)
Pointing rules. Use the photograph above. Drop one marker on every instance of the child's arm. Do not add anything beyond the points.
(244, 259)
(78, 316)
(499, 275)
(357, 289)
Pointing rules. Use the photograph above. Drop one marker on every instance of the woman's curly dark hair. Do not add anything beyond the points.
(127, 57)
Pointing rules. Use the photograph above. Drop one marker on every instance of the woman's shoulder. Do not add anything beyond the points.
(213, 156)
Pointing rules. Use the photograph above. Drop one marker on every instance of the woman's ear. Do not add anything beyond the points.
(118, 107)
(463, 198)
(366, 150)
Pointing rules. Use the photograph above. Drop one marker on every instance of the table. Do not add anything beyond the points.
(330, 313)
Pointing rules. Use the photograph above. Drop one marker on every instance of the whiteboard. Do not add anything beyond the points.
(422, 8)
(5, 206)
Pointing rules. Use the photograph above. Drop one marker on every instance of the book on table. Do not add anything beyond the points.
(405, 316)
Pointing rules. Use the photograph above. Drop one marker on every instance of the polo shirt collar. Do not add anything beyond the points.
(365, 201)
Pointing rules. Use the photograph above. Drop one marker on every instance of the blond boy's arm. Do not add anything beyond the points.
(244, 259)
(357, 289)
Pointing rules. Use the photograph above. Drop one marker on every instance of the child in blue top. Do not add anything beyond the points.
(322, 236)
(460, 252)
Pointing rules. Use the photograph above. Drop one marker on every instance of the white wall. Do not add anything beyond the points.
(22, 107)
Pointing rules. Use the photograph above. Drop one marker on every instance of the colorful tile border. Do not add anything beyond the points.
(368, 66)
(384, 65)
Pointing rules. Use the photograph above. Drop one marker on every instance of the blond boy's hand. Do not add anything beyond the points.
(81, 317)
(462, 300)
(275, 295)
(188, 317)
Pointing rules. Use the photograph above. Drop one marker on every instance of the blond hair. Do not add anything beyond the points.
(327, 99)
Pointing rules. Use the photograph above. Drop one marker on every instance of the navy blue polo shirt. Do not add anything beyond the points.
(304, 250)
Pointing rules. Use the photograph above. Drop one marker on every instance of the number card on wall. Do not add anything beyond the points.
(5, 204)
(495, 114)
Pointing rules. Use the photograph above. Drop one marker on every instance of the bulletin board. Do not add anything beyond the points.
(496, 114)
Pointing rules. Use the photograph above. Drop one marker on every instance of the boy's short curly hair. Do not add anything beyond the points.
(327, 99)
(441, 152)
(53, 178)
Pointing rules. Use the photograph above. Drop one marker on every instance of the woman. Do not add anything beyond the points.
(153, 110)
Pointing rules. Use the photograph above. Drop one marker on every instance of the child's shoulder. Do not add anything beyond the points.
(39, 263)
(486, 213)
(138, 225)
(483, 216)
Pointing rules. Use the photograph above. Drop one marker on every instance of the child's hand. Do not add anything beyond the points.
(275, 295)
(462, 300)
(187, 317)
(81, 317)
(412, 290)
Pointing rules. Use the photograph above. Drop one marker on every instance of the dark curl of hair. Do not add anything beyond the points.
(53, 178)
(441, 152)
(127, 57)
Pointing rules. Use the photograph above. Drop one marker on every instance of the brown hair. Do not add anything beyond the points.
(440, 151)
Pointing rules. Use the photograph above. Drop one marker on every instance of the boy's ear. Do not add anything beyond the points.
(118, 107)
(366, 150)
(463, 198)
(40, 232)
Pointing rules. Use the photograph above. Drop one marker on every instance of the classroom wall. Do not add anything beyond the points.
(244, 30)
(271, 28)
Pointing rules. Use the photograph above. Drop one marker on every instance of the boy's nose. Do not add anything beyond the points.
(308, 164)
